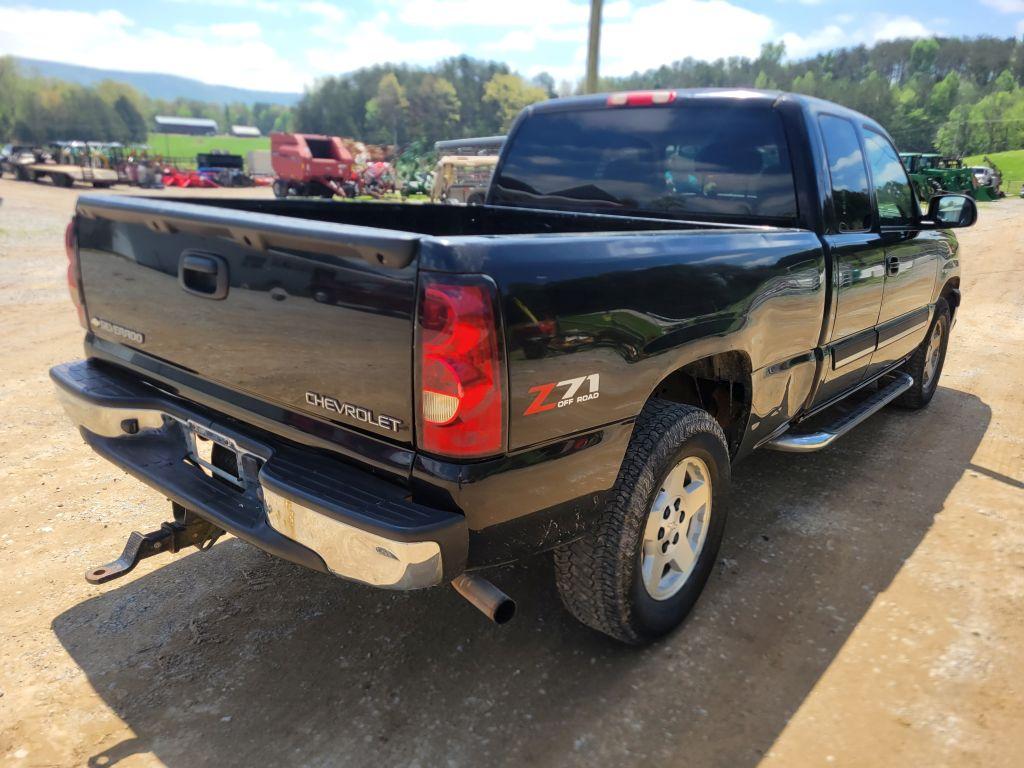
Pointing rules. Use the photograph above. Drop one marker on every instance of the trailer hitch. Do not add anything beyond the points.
(187, 529)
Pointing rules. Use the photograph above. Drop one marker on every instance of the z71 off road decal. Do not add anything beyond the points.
(565, 393)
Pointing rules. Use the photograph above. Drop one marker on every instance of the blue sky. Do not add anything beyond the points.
(284, 45)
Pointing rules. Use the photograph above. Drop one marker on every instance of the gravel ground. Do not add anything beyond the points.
(868, 608)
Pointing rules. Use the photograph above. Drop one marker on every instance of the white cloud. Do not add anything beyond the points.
(1006, 6)
(265, 6)
(242, 30)
(525, 40)
(674, 29)
(520, 13)
(873, 30)
(328, 12)
(903, 26)
(110, 40)
(368, 43)
(798, 47)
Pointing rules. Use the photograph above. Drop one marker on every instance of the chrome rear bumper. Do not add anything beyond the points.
(292, 502)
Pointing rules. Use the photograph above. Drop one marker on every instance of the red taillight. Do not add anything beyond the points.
(461, 404)
(74, 273)
(641, 98)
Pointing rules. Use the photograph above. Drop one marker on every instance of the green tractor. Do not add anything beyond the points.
(933, 174)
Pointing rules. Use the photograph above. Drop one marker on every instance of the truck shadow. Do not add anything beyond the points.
(234, 658)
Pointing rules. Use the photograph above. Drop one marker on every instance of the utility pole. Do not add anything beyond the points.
(593, 46)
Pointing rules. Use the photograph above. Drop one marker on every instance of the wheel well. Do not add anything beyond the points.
(720, 384)
(951, 293)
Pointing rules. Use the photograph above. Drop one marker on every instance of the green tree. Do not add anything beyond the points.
(135, 129)
(9, 82)
(1005, 82)
(923, 54)
(763, 81)
(944, 96)
(509, 94)
(387, 109)
(433, 108)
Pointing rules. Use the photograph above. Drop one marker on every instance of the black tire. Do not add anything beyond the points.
(599, 576)
(62, 180)
(919, 395)
(280, 188)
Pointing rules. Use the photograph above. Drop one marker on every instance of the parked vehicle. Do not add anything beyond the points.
(224, 169)
(462, 180)
(464, 169)
(310, 165)
(988, 182)
(14, 155)
(405, 395)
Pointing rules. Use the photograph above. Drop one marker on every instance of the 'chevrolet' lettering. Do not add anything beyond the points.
(352, 411)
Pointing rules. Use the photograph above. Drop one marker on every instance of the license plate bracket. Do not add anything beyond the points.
(201, 441)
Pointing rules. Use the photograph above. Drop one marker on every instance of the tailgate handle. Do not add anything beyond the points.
(203, 274)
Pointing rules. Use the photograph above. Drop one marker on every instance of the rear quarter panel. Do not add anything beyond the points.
(605, 318)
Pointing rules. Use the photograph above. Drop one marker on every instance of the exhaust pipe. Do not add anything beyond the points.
(485, 597)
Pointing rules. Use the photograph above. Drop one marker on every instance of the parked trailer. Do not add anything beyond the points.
(67, 175)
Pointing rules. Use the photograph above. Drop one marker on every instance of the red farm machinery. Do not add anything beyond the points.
(309, 165)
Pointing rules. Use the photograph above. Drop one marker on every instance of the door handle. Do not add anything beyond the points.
(203, 274)
(892, 265)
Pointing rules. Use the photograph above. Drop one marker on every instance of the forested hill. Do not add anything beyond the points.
(154, 85)
(961, 96)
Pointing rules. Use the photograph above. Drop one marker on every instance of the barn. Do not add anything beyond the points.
(199, 126)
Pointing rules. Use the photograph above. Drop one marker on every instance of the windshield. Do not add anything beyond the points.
(722, 161)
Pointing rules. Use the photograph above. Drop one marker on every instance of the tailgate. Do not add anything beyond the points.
(315, 317)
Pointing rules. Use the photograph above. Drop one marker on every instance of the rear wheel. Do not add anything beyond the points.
(925, 365)
(638, 573)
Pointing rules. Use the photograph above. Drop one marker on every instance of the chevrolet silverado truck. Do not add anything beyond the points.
(407, 395)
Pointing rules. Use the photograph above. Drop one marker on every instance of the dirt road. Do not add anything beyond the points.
(868, 608)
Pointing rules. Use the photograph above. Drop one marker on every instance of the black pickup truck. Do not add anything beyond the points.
(403, 395)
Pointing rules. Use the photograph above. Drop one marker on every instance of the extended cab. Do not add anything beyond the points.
(403, 395)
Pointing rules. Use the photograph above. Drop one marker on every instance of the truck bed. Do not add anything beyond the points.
(444, 220)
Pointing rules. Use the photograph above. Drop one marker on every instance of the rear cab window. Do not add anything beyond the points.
(691, 160)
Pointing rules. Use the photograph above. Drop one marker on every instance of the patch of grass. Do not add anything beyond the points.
(1010, 163)
(187, 147)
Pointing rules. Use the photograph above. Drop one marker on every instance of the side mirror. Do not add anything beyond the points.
(950, 212)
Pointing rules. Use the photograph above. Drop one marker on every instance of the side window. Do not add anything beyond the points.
(892, 187)
(849, 175)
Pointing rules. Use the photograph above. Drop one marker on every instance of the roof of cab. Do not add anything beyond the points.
(810, 104)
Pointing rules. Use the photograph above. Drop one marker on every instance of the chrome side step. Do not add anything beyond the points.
(815, 441)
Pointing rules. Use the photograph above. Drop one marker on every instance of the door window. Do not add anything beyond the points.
(892, 187)
(849, 175)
